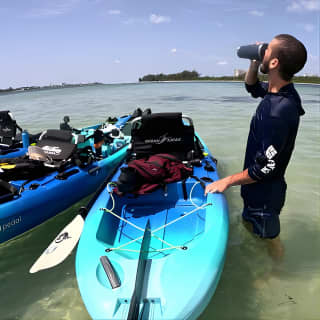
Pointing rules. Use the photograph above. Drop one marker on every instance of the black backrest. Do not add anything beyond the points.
(162, 133)
(8, 128)
(57, 144)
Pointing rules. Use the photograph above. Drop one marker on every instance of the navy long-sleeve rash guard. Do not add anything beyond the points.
(271, 140)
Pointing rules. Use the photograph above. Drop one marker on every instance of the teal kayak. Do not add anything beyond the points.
(185, 254)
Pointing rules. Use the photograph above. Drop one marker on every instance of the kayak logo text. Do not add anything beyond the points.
(11, 223)
(52, 151)
(6, 129)
(162, 139)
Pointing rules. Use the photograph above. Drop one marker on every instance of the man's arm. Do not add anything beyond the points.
(252, 74)
(275, 136)
(233, 180)
(253, 85)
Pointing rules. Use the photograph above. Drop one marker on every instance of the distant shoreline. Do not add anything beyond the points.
(39, 88)
(208, 81)
(50, 87)
(193, 75)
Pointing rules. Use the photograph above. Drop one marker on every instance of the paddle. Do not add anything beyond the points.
(61, 247)
(134, 309)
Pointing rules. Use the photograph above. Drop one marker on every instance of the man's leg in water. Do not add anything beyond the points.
(275, 248)
(266, 227)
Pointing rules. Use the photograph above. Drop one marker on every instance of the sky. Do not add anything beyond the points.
(47, 42)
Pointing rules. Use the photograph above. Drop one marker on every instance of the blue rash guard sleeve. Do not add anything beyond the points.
(259, 89)
(269, 158)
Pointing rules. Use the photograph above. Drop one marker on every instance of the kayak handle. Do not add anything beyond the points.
(93, 170)
(110, 272)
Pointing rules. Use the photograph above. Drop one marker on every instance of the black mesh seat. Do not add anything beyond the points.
(56, 152)
(8, 129)
(57, 144)
(163, 133)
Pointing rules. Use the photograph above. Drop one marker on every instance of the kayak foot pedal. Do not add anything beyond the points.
(110, 272)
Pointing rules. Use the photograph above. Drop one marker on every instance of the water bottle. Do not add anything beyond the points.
(252, 51)
(25, 139)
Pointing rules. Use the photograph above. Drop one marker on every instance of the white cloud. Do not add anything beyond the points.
(256, 13)
(174, 50)
(303, 5)
(309, 27)
(154, 18)
(114, 12)
(117, 61)
(222, 63)
(55, 8)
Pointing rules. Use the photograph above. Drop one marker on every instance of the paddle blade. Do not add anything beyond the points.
(61, 247)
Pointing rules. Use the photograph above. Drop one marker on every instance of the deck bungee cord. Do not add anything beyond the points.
(170, 246)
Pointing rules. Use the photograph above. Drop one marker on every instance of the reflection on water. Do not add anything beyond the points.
(252, 285)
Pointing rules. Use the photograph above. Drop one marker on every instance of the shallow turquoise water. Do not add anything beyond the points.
(252, 286)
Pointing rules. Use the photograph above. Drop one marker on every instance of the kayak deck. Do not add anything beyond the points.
(114, 232)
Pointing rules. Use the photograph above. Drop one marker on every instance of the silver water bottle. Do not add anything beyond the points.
(252, 51)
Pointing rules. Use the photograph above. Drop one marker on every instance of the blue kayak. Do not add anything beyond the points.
(188, 234)
(20, 147)
(12, 152)
(28, 202)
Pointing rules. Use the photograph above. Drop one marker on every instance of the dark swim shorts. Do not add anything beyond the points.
(265, 222)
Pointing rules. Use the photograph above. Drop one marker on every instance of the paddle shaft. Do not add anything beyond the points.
(134, 309)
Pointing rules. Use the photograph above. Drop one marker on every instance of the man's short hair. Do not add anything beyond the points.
(292, 55)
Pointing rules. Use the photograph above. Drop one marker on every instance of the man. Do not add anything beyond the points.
(271, 138)
(64, 125)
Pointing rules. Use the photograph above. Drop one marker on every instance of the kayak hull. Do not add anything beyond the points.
(14, 153)
(179, 283)
(52, 196)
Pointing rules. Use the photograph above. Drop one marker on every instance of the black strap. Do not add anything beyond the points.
(8, 186)
(208, 167)
(184, 189)
(18, 127)
(203, 185)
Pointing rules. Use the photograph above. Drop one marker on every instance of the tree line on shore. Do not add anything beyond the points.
(53, 86)
(194, 75)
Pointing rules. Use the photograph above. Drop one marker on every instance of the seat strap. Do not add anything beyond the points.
(8, 186)
(184, 189)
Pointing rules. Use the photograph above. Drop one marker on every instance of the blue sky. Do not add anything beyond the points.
(54, 41)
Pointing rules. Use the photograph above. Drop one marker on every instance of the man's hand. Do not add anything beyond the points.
(234, 180)
(218, 186)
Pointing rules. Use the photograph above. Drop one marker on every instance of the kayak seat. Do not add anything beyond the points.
(8, 130)
(57, 144)
(163, 133)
